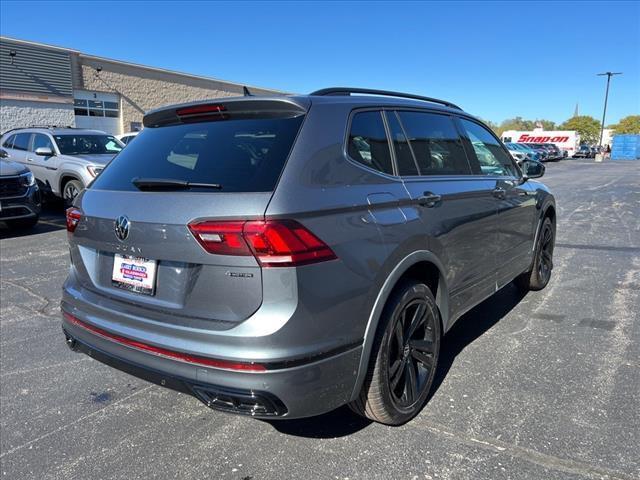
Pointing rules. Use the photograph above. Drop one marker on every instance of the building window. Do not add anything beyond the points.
(96, 108)
(80, 107)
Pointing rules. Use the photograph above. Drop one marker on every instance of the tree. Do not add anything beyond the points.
(493, 126)
(587, 127)
(630, 124)
(547, 124)
(517, 123)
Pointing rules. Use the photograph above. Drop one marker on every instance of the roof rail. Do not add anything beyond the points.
(386, 93)
(51, 126)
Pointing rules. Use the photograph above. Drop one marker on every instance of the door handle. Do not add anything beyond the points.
(29, 159)
(429, 199)
(499, 192)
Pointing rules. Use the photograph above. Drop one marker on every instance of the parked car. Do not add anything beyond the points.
(125, 138)
(555, 152)
(63, 160)
(281, 256)
(584, 152)
(524, 152)
(528, 151)
(518, 155)
(541, 150)
(19, 194)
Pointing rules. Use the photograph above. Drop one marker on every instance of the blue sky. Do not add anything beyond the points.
(495, 59)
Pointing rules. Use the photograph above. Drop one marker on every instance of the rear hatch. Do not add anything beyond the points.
(133, 244)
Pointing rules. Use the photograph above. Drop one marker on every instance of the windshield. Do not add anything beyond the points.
(245, 155)
(69, 144)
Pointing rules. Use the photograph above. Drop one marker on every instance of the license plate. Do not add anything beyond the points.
(134, 274)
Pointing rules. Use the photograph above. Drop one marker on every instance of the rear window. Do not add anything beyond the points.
(240, 155)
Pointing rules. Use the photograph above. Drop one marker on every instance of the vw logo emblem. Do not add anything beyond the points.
(122, 227)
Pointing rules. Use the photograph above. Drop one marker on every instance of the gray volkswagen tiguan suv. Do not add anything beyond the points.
(283, 256)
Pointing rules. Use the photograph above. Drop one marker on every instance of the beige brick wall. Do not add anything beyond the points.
(149, 89)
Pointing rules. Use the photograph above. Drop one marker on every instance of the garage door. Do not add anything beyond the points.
(97, 110)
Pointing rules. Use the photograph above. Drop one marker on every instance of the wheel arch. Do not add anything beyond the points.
(65, 177)
(421, 265)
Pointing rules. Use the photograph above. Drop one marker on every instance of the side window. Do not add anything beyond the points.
(22, 141)
(404, 157)
(435, 143)
(40, 140)
(491, 156)
(368, 143)
(8, 143)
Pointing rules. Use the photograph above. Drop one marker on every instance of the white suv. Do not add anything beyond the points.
(63, 160)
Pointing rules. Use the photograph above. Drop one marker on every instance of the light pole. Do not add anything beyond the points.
(606, 97)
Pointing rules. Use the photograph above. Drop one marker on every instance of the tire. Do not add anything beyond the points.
(407, 359)
(70, 190)
(23, 223)
(538, 276)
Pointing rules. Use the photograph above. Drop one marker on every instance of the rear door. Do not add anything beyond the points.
(234, 159)
(516, 203)
(457, 209)
(19, 147)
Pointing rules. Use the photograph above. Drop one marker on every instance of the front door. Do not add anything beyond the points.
(516, 206)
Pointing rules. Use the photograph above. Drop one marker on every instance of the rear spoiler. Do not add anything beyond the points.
(226, 109)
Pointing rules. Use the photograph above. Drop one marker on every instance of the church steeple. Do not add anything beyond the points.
(576, 112)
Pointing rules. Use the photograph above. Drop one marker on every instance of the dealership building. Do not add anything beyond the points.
(46, 85)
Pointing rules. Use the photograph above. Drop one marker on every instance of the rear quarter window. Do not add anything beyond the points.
(245, 155)
(8, 143)
(368, 142)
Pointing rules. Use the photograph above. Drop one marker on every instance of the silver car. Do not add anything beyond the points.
(63, 160)
(282, 256)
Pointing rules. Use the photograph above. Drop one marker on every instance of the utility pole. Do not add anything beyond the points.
(606, 97)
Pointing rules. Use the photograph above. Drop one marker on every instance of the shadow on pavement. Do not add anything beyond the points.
(472, 325)
(338, 423)
(468, 328)
(52, 218)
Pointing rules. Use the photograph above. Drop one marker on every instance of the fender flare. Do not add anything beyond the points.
(442, 301)
(67, 173)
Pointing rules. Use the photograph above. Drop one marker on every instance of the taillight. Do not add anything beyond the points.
(274, 243)
(202, 112)
(73, 218)
(223, 238)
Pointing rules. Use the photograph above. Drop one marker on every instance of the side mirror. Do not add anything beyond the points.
(533, 169)
(4, 153)
(44, 152)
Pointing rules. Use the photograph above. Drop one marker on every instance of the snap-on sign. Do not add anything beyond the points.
(524, 138)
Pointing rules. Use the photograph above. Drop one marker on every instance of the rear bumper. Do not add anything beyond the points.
(304, 389)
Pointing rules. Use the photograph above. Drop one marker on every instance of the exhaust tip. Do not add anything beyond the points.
(71, 342)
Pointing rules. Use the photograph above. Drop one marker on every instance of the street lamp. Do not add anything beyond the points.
(606, 97)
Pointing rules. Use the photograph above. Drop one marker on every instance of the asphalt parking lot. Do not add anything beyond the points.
(545, 386)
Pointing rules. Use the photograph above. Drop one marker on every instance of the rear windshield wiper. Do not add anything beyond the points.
(171, 184)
